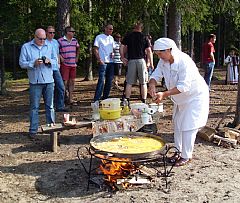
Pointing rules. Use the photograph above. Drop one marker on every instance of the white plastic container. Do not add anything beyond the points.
(156, 107)
(111, 104)
(140, 107)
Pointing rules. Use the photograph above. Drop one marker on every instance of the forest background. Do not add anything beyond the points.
(30, 173)
(188, 22)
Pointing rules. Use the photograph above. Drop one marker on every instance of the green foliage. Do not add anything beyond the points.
(19, 18)
(28, 15)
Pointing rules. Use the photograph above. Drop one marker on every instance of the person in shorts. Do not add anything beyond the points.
(136, 45)
(69, 51)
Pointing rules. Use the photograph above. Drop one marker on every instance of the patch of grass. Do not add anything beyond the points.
(10, 83)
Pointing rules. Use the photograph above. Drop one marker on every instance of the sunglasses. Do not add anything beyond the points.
(71, 31)
(51, 32)
(41, 39)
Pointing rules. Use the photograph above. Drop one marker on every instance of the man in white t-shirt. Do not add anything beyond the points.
(103, 50)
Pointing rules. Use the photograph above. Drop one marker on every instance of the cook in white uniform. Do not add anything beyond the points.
(188, 91)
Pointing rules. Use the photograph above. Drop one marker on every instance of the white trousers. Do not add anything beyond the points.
(184, 142)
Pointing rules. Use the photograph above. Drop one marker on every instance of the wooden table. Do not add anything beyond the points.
(58, 128)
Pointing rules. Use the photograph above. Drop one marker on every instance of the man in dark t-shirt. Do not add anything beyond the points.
(136, 45)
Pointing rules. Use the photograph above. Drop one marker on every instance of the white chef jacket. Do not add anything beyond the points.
(191, 106)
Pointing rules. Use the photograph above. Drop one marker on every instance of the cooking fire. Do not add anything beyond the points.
(124, 159)
(122, 172)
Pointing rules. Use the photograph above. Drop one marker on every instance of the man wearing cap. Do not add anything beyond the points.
(136, 45)
(188, 91)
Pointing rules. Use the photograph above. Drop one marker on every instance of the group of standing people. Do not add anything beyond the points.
(131, 52)
(208, 61)
(51, 64)
(43, 56)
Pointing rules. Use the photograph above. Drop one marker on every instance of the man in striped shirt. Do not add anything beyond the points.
(69, 51)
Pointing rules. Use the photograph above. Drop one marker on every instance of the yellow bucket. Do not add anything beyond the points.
(110, 114)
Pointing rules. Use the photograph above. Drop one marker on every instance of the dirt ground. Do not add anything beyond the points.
(30, 172)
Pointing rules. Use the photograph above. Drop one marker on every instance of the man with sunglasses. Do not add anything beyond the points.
(69, 51)
(38, 58)
(58, 81)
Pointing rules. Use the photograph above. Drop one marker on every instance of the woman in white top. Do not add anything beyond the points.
(188, 91)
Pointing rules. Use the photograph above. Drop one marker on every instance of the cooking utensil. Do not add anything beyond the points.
(109, 137)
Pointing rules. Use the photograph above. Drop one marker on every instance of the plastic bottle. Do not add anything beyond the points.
(126, 109)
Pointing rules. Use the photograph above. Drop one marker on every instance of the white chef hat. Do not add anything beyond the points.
(163, 44)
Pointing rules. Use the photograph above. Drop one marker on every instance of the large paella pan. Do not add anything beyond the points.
(132, 145)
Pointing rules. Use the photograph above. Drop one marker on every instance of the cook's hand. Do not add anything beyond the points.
(159, 97)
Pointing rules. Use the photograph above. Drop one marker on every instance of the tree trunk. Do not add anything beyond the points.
(14, 62)
(165, 19)
(192, 45)
(147, 20)
(174, 24)
(219, 41)
(237, 113)
(63, 15)
(2, 69)
(89, 73)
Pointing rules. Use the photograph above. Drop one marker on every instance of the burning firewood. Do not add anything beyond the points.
(147, 171)
(134, 180)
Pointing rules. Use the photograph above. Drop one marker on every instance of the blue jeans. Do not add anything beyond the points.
(59, 90)
(209, 67)
(36, 91)
(105, 72)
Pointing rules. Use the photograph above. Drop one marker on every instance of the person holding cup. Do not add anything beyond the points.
(188, 91)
